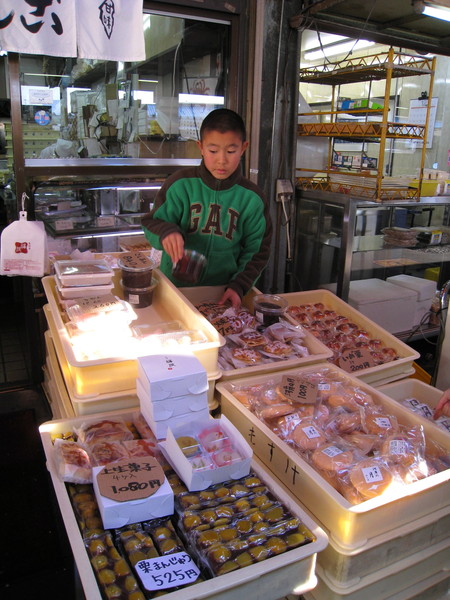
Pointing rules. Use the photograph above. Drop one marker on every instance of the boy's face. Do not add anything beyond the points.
(222, 152)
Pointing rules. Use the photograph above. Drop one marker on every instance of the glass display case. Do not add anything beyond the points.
(339, 239)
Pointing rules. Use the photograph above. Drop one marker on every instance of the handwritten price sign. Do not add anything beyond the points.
(167, 571)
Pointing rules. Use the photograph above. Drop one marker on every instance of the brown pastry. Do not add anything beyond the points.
(330, 457)
(247, 355)
(370, 477)
(307, 435)
(278, 348)
(380, 424)
(252, 339)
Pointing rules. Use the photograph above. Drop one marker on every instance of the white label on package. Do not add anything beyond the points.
(323, 387)
(398, 447)
(444, 422)
(63, 224)
(167, 571)
(97, 304)
(425, 410)
(311, 432)
(372, 474)
(293, 418)
(411, 403)
(383, 422)
(332, 451)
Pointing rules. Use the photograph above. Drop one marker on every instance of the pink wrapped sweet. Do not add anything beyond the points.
(213, 438)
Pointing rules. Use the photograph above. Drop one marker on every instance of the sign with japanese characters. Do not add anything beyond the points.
(128, 479)
(298, 389)
(355, 359)
(94, 29)
(168, 571)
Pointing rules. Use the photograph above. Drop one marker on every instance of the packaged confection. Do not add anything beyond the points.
(72, 462)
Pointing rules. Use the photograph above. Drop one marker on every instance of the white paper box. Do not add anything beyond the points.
(189, 405)
(200, 480)
(171, 375)
(160, 427)
(117, 514)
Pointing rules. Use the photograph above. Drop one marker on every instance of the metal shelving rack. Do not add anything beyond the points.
(364, 183)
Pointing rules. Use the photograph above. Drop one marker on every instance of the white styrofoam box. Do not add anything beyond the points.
(389, 371)
(389, 305)
(171, 375)
(391, 580)
(351, 526)
(190, 404)
(414, 388)
(113, 374)
(318, 352)
(160, 426)
(200, 480)
(286, 573)
(348, 568)
(117, 514)
(83, 291)
(424, 288)
(422, 308)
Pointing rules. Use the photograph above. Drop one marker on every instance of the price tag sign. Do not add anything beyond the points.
(105, 221)
(298, 390)
(355, 359)
(130, 479)
(63, 224)
(167, 571)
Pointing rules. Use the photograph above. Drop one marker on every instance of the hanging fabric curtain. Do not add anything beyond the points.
(95, 29)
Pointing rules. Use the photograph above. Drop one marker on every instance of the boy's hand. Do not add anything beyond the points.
(443, 406)
(173, 244)
(232, 297)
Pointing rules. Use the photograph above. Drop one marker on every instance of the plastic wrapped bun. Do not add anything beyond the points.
(371, 477)
(72, 462)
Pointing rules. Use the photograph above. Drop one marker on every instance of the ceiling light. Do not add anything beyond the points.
(334, 49)
(439, 9)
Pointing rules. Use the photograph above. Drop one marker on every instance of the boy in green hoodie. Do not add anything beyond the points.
(214, 210)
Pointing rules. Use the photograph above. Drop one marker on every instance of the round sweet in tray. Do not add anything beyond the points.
(370, 477)
(277, 348)
(361, 441)
(342, 401)
(330, 457)
(307, 435)
(399, 449)
(380, 424)
(252, 339)
(247, 355)
(188, 444)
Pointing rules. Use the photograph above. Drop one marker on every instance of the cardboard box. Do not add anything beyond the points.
(117, 514)
(290, 572)
(381, 374)
(318, 352)
(351, 526)
(165, 376)
(200, 480)
(114, 374)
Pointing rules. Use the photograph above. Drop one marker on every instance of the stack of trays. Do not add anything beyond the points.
(171, 389)
(83, 278)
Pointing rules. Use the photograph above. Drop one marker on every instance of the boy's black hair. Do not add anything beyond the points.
(223, 120)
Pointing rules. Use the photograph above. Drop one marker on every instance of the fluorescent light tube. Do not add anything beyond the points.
(437, 13)
(334, 49)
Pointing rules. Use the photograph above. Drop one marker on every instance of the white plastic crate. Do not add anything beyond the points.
(350, 526)
(381, 374)
(395, 581)
(318, 352)
(92, 403)
(115, 374)
(292, 571)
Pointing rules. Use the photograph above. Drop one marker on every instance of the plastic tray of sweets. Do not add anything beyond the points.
(318, 352)
(269, 579)
(351, 526)
(112, 374)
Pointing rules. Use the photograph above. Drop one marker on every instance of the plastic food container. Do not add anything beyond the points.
(290, 572)
(83, 272)
(190, 267)
(139, 297)
(269, 308)
(350, 526)
(137, 269)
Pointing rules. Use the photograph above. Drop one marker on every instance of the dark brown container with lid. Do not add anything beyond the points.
(137, 269)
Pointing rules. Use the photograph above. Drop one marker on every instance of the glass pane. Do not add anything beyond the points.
(152, 109)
